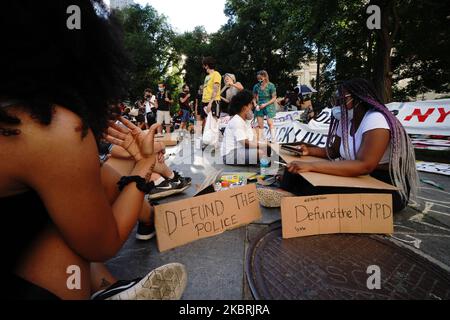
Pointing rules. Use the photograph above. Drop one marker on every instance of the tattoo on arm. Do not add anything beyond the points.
(148, 176)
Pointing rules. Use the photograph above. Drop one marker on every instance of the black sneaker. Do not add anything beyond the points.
(181, 181)
(170, 187)
(164, 283)
(167, 188)
(145, 232)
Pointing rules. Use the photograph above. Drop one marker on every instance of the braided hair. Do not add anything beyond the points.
(402, 162)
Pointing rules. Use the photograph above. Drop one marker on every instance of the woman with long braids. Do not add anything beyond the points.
(366, 138)
(63, 214)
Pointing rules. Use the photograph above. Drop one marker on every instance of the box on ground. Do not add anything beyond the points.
(336, 213)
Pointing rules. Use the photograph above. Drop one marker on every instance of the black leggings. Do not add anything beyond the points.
(299, 186)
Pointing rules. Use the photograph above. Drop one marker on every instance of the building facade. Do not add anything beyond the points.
(307, 74)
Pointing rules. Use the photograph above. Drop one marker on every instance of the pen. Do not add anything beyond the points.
(281, 164)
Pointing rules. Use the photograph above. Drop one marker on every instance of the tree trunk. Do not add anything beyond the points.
(369, 66)
(319, 58)
(384, 37)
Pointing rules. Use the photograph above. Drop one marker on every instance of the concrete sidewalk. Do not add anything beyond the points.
(216, 265)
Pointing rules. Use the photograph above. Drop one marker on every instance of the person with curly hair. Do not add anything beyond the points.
(56, 91)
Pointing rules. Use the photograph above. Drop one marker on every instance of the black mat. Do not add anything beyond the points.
(330, 267)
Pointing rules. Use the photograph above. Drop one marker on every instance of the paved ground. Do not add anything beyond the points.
(216, 265)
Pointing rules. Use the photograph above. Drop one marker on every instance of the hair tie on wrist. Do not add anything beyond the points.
(141, 183)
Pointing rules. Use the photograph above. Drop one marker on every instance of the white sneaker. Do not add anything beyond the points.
(164, 283)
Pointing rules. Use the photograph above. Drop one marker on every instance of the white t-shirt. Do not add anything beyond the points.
(372, 120)
(150, 104)
(237, 131)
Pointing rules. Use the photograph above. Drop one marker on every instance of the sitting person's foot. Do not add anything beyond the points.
(145, 231)
(164, 283)
(169, 187)
(177, 176)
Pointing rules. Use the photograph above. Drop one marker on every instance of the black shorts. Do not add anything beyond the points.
(215, 109)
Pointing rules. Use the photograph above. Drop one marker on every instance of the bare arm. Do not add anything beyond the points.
(238, 86)
(183, 100)
(274, 98)
(215, 91)
(322, 152)
(373, 147)
(65, 172)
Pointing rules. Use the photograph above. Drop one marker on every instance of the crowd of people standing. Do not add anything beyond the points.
(76, 177)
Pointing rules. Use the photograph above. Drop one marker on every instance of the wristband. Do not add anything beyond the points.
(141, 184)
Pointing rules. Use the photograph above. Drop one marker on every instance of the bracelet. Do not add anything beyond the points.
(141, 184)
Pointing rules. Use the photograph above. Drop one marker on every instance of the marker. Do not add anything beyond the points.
(281, 164)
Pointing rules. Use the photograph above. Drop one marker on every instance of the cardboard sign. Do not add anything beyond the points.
(181, 222)
(209, 181)
(363, 182)
(337, 213)
(328, 180)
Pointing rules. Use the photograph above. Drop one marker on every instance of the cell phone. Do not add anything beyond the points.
(292, 149)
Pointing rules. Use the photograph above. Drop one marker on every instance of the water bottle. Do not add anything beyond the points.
(264, 166)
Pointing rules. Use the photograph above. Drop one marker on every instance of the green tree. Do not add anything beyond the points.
(258, 36)
(192, 47)
(149, 40)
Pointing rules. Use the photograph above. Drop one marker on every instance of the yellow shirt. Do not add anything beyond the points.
(208, 87)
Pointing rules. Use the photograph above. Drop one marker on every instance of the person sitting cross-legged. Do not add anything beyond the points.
(238, 145)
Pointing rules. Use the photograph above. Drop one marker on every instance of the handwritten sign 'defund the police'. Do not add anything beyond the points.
(337, 213)
(181, 222)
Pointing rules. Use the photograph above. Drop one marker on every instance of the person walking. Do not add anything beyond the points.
(265, 95)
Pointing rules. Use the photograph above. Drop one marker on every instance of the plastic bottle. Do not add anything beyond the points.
(264, 166)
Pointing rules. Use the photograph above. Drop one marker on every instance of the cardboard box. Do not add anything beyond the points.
(337, 213)
(328, 180)
(181, 222)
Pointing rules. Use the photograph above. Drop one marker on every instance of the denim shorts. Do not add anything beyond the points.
(185, 116)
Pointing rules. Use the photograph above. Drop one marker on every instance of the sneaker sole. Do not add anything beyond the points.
(271, 198)
(145, 237)
(164, 283)
(167, 193)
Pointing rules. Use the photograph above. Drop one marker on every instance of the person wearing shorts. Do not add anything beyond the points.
(185, 107)
(164, 101)
(211, 89)
(265, 95)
